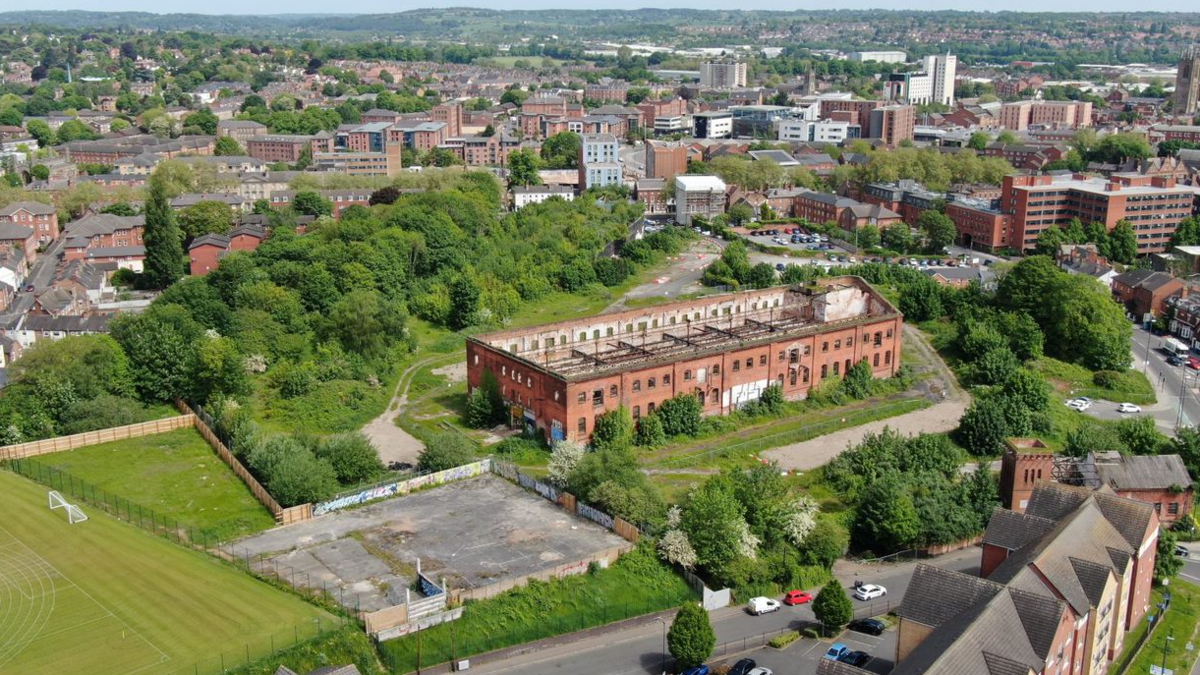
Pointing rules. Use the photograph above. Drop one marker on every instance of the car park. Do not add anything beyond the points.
(868, 626)
(869, 592)
(796, 598)
(743, 667)
(1129, 408)
(760, 605)
(857, 659)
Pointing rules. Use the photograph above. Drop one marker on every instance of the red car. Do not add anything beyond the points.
(796, 598)
(1193, 363)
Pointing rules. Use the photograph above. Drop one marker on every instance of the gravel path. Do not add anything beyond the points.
(395, 445)
(941, 417)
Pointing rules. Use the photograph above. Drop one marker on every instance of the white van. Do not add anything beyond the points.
(762, 605)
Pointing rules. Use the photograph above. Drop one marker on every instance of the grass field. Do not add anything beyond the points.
(104, 598)
(176, 474)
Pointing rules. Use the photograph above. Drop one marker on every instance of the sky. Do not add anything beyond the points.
(374, 6)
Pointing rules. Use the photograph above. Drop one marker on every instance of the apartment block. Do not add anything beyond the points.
(702, 196)
(1021, 115)
(599, 161)
(666, 160)
(385, 163)
(278, 147)
(893, 124)
(723, 75)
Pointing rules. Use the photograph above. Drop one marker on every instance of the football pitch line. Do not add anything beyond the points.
(43, 571)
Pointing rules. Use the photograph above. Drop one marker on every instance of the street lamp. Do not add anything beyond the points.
(664, 649)
(1166, 645)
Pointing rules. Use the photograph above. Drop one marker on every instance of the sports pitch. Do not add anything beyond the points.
(103, 597)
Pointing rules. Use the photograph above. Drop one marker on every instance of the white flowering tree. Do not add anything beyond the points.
(675, 548)
(563, 461)
(800, 519)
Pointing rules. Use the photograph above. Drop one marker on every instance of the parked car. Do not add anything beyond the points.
(698, 670)
(29, 288)
(870, 592)
(1082, 403)
(868, 626)
(1182, 551)
(760, 605)
(856, 659)
(796, 598)
(836, 651)
(1129, 408)
(1193, 363)
(761, 671)
(743, 667)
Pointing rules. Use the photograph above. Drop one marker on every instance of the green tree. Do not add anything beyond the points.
(833, 608)
(42, 132)
(1006, 137)
(465, 299)
(365, 322)
(921, 300)
(39, 172)
(1188, 232)
(761, 275)
(712, 520)
(614, 430)
(825, 544)
(1186, 444)
(995, 366)
(311, 204)
(982, 429)
(206, 217)
(92, 364)
(680, 415)
(158, 343)
(886, 519)
(217, 368)
(561, 151)
(523, 168)
(74, 130)
(897, 238)
(1028, 388)
(228, 146)
(858, 381)
(1166, 563)
(978, 141)
(1122, 242)
(446, 450)
(740, 214)
(691, 638)
(353, 458)
(939, 230)
(650, 432)
(290, 471)
(165, 258)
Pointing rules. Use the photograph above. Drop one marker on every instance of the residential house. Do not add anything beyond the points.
(205, 253)
(1144, 292)
(1085, 259)
(524, 195)
(19, 237)
(962, 277)
(43, 218)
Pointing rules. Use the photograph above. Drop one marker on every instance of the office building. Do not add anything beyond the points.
(1021, 115)
(879, 57)
(893, 124)
(934, 84)
(714, 124)
(723, 349)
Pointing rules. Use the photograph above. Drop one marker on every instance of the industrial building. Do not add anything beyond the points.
(723, 349)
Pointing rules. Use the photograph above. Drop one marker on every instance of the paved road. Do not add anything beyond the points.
(1170, 383)
(639, 649)
(634, 158)
(40, 276)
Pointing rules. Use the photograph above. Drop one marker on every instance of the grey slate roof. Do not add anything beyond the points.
(1144, 472)
(1055, 500)
(1092, 577)
(1012, 530)
(103, 223)
(35, 208)
(218, 240)
(12, 231)
(936, 595)
(1040, 615)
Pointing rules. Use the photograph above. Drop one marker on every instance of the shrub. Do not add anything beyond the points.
(446, 450)
(650, 432)
(291, 472)
(832, 607)
(614, 429)
(680, 414)
(691, 638)
(352, 457)
(784, 639)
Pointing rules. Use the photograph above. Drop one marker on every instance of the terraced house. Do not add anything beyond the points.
(723, 349)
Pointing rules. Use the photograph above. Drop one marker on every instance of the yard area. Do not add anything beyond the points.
(175, 474)
(1181, 621)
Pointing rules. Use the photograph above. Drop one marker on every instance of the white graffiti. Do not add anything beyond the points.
(403, 487)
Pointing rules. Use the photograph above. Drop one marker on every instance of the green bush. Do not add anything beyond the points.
(784, 639)
(446, 450)
(348, 645)
(352, 457)
(680, 415)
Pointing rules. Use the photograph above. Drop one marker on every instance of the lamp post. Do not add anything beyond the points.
(664, 648)
(1166, 645)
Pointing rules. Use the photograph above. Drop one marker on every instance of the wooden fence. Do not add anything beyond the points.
(384, 619)
(283, 516)
(61, 443)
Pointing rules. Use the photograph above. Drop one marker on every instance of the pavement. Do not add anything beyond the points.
(638, 649)
(40, 275)
(1171, 384)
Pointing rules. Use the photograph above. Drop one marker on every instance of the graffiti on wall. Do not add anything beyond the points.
(403, 487)
(547, 491)
(593, 515)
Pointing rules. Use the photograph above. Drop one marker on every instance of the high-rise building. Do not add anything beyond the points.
(934, 84)
(723, 75)
(599, 163)
(893, 124)
(1187, 82)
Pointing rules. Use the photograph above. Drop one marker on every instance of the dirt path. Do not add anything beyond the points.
(395, 445)
(939, 418)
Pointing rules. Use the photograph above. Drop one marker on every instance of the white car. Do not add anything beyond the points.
(1082, 403)
(761, 671)
(869, 592)
(760, 605)
(1129, 408)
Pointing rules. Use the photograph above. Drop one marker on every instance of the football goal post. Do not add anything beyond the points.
(74, 513)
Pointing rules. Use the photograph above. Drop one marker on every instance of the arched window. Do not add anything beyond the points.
(637, 385)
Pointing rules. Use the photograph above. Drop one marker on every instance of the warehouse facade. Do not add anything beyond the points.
(724, 349)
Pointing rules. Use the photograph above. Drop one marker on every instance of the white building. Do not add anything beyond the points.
(599, 162)
(523, 196)
(723, 75)
(934, 84)
(879, 57)
(702, 196)
(713, 124)
(823, 131)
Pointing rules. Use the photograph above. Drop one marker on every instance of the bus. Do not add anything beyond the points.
(1173, 347)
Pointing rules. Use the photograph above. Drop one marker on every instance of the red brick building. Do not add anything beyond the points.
(41, 218)
(1154, 205)
(723, 349)
(979, 226)
(278, 148)
(1144, 292)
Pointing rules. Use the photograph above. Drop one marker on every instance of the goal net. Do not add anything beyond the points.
(74, 513)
